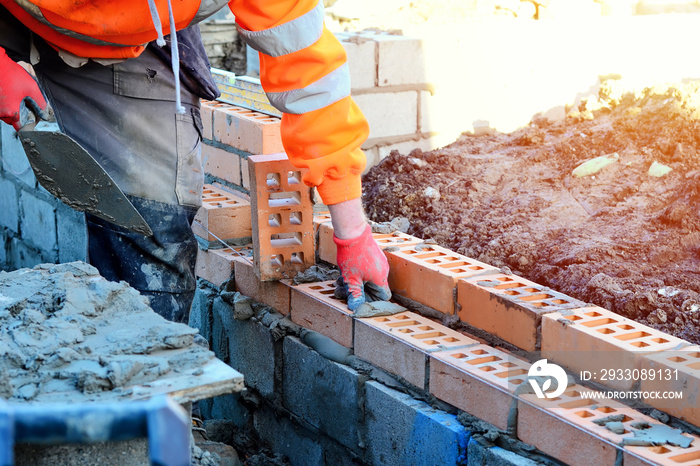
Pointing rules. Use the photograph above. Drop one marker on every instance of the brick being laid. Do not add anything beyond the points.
(479, 380)
(314, 306)
(246, 130)
(428, 274)
(603, 343)
(282, 218)
(509, 306)
(674, 371)
(222, 214)
(402, 343)
(573, 428)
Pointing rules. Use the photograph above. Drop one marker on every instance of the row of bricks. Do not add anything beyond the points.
(570, 333)
(512, 308)
(461, 370)
(577, 337)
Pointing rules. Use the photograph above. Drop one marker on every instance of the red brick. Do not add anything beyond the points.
(327, 250)
(664, 455)
(680, 371)
(217, 265)
(245, 174)
(509, 306)
(247, 130)
(401, 343)
(594, 339)
(429, 274)
(314, 307)
(563, 427)
(223, 214)
(221, 164)
(207, 113)
(273, 294)
(479, 380)
(283, 238)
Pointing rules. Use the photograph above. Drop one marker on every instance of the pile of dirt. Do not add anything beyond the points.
(619, 238)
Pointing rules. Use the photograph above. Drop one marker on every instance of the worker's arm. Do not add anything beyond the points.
(18, 93)
(304, 71)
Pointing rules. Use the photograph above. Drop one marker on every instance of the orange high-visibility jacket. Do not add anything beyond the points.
(303, 68)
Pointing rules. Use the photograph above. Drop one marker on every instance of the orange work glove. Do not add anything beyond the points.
(18, 94)
(364, 269)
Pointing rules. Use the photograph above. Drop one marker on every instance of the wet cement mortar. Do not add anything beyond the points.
(619, 238)
(69, 335)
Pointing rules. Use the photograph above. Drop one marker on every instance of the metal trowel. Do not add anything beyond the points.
(66, 170)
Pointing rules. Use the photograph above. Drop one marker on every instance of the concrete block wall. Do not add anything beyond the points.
(34, 226)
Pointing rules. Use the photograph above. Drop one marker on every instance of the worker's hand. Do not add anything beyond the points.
(18, 94)
(364, 269)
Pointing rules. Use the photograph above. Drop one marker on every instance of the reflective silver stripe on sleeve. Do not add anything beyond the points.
(329, 89)
(36, 14)
(208, 8)
(289, 37)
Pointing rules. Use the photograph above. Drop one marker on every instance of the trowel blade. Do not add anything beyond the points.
(66, 170)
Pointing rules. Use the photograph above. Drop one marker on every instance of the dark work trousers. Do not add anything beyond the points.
(124, 116)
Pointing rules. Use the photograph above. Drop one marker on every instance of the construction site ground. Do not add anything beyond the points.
(619, 238)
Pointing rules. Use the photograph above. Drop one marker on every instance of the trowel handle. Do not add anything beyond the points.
(30, 114)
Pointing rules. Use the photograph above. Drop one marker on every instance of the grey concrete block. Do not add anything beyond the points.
(72, 234)
(227, 407)
(3, 251)
(479, 455)
(246, 345)
(284, 437)
(404, 431)
(14, 161)
(9, 214)
(22, 255)
(322, 392)
(201, 312)
(37, 222)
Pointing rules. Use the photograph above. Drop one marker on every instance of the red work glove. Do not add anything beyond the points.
(364, 269)
(18, 91)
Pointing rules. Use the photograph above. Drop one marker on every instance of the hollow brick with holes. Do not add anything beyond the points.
(663, 455)
(274, 294)
(565, 427)
(314, 306)
(246, 130)
(428, 274)
(222, 214)
(217, 265)
(676, 371)
(283, 229)
(479, 380)
(599, 341)
(509, 306)
(401, 343)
